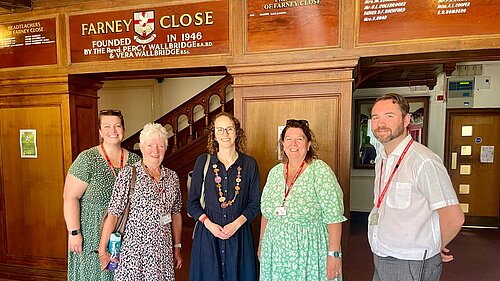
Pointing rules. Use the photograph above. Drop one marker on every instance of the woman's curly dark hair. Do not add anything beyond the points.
(312, 152)
(241, 139)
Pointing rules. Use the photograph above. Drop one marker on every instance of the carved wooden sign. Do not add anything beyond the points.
(397, 20)
(182, 30)
(280, 24)
(28, 43)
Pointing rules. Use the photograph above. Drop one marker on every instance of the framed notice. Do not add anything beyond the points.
(399, 20)
(27, 141)
(278, 25)
(180, 30)
(28, 43)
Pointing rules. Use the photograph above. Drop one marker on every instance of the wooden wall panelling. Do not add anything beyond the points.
(33, 232)
(83, 113)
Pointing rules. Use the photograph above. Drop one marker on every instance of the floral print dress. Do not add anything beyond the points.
(146, 252)
(295, 246)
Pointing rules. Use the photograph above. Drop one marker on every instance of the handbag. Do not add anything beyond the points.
(122, 219)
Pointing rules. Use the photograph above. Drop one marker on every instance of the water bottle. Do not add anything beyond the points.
(115, 241)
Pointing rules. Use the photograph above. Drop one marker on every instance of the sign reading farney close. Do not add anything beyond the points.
(192, 29)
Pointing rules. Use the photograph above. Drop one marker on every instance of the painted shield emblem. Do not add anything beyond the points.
(144, 23)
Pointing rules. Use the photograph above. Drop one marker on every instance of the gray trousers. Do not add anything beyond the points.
(392, 269)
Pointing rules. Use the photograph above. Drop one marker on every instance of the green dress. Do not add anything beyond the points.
(92, 168)
(295, 246)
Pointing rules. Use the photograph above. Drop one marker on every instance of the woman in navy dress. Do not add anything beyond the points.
(223, 247)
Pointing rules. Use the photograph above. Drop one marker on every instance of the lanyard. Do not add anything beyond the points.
(160, 185)
(287, 190)
(381, 196)
(109, 161)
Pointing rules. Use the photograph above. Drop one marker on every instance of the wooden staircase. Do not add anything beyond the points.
(186, 144)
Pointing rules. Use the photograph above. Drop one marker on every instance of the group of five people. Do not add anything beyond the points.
(416, 212)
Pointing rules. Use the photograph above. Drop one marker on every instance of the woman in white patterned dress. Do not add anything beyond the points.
(151, 246)
(302, 213)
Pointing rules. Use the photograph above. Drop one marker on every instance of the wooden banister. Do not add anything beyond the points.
(187, 135)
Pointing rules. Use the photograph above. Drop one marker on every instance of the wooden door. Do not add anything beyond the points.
(472, 159)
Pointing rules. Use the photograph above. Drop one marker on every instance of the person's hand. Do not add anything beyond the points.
(104, 259)
(75, 243)
(333, 268)
(444, 256)
(216, 230)
(231, 228)
(177, 258)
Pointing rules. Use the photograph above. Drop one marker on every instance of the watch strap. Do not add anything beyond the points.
(335, 254)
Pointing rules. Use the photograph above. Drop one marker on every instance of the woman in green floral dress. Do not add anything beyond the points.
(302, 213)
(87, 191)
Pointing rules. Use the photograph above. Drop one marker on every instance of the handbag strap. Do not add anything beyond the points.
(132, 184)
(205, 169)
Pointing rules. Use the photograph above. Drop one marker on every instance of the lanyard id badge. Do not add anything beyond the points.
(374, 218)
(166, 219)
(280, 211)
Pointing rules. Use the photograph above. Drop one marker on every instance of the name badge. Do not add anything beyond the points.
(280, 211)
(165, 219)
(374, 218)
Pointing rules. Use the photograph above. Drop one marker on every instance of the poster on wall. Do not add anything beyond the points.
(397, 20)
(181, 30)
(279, 25)
(27, 141)
(28, 43)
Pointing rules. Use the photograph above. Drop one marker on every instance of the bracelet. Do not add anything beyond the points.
(203, 218)
(178, 245)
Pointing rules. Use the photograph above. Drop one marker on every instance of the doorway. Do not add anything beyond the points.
(471, 157)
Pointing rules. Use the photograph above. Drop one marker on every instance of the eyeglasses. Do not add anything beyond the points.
(300, 122)
(110, 112)
(220, 130)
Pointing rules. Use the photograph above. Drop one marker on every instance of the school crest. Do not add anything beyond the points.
(144, 25)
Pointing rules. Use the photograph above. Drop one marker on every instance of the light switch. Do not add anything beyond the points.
(464, 188)
(465, 169)
(466, 131)
(466, 150)
(465, 207)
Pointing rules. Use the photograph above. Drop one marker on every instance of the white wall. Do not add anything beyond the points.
(175, 90)
(143, 101)
(362, 180)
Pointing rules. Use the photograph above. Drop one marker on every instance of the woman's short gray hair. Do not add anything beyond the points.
(153, 129)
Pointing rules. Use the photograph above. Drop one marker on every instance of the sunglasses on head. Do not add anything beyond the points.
(110, 112)
(300, 122)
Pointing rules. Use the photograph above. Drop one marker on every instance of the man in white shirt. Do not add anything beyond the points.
(416, 212)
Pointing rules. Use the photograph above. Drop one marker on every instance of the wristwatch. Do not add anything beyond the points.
(75, 232)
(335, 254)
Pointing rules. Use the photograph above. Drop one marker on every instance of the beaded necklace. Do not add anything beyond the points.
(218, 180)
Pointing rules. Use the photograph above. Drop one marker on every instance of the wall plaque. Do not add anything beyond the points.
(28, 43)
(285, 24)
(182, 30)
(397, 20)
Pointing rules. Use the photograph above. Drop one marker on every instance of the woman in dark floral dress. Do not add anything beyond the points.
(151, 243)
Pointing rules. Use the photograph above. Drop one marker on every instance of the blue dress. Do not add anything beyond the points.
(214, 259)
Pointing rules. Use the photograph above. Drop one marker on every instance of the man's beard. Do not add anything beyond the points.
(388, 137)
